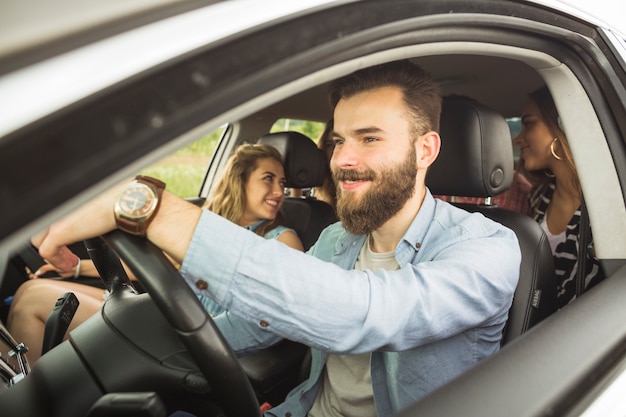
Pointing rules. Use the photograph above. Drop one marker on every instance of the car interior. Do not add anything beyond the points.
(180, 361)
(476, 147)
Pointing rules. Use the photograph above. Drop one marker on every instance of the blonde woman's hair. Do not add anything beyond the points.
(229, 195)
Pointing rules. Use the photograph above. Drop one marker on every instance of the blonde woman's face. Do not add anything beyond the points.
(265, 192)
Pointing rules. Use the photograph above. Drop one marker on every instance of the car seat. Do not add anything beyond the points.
(275, 370)
(306, 166)
(476, 160)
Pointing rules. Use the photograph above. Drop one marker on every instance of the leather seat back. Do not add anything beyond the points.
(476, 160)
(306, 166)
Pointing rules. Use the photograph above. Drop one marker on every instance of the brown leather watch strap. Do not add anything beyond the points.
(137, 225)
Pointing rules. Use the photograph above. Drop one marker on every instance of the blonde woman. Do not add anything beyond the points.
(250, 193)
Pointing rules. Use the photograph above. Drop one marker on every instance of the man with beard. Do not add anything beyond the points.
(401, 296)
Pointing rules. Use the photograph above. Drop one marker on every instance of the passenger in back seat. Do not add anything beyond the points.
(250, 193)
(556, 197)
(327, 192)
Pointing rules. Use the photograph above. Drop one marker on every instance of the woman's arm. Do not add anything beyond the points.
(291, 239)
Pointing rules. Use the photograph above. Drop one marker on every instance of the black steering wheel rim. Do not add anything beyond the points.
(189, 319)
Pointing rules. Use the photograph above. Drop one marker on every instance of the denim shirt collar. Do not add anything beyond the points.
(414, 237)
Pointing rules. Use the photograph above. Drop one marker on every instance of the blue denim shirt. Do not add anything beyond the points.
(213, 308)
(441, 313)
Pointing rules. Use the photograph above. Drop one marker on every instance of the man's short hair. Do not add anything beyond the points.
(420, 92)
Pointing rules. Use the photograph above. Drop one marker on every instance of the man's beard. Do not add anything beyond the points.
(390, 190)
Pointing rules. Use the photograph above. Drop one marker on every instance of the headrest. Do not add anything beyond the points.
(305, 165)
(476, 157)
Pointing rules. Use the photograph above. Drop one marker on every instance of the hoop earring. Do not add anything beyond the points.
(558, 158)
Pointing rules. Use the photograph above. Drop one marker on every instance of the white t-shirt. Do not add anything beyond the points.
(553, 239)
(347, 386)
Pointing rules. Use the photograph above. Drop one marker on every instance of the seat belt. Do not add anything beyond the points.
(583, 241)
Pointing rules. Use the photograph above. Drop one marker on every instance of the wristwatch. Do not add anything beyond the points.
(137, 204)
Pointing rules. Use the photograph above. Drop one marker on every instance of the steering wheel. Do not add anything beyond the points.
(188, 318)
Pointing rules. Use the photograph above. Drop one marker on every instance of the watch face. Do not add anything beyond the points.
(137, 201)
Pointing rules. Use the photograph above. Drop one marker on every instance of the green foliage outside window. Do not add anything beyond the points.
(308, 128)
(184, 170)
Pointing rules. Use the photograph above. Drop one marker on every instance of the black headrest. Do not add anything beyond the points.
(305, 165)
(476, 157)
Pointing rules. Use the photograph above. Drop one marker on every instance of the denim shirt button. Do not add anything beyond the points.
(201, 285)
(417, 245)
(287, 414)
(263, 323)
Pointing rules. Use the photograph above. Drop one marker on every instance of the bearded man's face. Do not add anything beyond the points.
(390, 189)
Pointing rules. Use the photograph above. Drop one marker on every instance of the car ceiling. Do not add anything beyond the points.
(483, 78)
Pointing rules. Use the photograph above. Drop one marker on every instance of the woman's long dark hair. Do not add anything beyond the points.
(544, 101)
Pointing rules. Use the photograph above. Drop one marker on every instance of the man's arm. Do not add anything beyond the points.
(174, 225)
(463, 284)
(171, 229)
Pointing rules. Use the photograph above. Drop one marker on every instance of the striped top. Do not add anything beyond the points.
(566, 252)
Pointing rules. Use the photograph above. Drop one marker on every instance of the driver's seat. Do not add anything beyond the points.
(476, 160)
